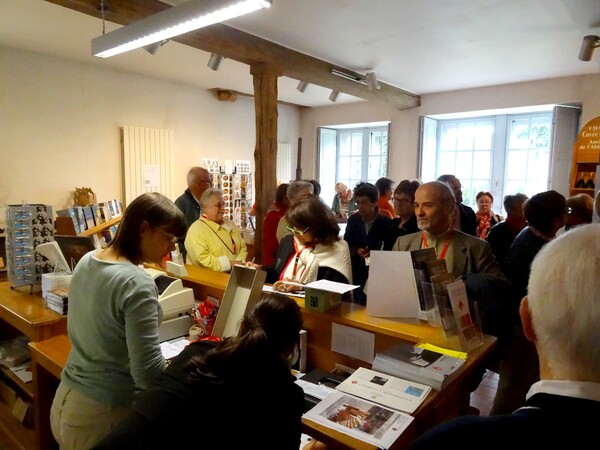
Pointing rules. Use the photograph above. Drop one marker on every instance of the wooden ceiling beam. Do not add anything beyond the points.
(249, 49)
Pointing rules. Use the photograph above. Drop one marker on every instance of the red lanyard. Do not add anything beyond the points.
(296, 259)
(234, 252)
(446, 244)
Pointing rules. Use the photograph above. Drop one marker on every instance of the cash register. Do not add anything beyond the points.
(176, 302)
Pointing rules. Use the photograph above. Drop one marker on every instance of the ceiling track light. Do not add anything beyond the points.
(215, 61)
(372, 83)
(153, 48)
(180, 19)
(334, 96)
(589, 44)
(302, 86)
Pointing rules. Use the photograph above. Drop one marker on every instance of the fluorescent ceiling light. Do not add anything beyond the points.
(172, 22)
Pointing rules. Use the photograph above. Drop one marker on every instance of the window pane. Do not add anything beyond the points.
(357, 144)
(519, 134)
(464, 168)
(516, 164)
(345, 143)
(465, 136)
(447, 137)
(482, 164)
(483, 133)
(356, 168)
(374, 167)
(446, 163)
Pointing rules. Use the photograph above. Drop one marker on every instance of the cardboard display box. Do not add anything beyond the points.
(243, 291)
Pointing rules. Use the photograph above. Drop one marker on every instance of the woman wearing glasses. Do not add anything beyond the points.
(313, 250)
(113, 323)
(213, 241)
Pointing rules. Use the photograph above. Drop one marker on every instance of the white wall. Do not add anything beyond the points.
(404, 138)
(59, 127)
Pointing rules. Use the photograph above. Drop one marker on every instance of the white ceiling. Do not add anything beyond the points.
(422, 46)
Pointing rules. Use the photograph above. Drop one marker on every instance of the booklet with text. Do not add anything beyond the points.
(385, 389)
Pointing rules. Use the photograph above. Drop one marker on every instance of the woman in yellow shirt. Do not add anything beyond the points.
(213, 241)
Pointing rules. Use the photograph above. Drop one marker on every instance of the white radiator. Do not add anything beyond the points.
(284, 162)
(146, 161)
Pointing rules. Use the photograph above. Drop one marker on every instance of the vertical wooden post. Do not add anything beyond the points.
(265, 152)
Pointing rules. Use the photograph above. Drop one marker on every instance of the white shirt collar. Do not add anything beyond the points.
(577, 389)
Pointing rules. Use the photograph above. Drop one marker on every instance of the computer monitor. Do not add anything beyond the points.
(74, 247)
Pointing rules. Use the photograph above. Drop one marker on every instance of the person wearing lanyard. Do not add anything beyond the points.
(314, 250)
(435, 208)
(213, 241)
(467, 257)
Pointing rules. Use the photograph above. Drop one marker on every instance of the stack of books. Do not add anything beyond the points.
(411, 362)
(57, 300)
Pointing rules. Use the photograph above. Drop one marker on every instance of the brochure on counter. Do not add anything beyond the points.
(385, 389)
(361, 419)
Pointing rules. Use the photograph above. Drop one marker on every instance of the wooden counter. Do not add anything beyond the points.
(24, 313)
(50, 356)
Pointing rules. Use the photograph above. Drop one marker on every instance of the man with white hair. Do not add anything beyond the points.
(198, 181)
(560, 315)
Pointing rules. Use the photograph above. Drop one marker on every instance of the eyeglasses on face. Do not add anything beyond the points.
(217, 205)
(172, 238)
(296, 231)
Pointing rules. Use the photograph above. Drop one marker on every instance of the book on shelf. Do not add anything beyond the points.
(412, 362)
(89, 217)
(72, 214)
(361, 419)
(385, 389)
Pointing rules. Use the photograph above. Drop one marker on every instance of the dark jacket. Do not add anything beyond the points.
(259, 403)
(191, 210)
(357, 237)
(548, 421)
(394, 231)
(468, 219)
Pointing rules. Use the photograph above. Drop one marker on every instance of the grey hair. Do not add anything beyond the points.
(207, 194)
(564, 301)
(194, 173)
(296, 187)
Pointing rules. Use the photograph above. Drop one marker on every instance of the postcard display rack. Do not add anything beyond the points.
(27, 226)
(235, 181)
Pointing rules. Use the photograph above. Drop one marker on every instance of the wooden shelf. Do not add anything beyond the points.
(24, 388)
(100, 228)
(23, 438)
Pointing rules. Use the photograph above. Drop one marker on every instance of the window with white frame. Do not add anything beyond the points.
(503, 154)
(351, 155)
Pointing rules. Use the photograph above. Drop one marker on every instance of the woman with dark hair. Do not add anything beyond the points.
(225, 394)
(113, 323)
(404, 206)
(313, 250)
(365, 232)
(384, 187)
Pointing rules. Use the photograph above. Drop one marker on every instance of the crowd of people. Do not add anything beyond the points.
(114, 313)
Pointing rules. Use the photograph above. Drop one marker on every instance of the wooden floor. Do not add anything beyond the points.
(482, 398)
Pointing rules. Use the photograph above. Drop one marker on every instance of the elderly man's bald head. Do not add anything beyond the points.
(198, 180)
(435, 207)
